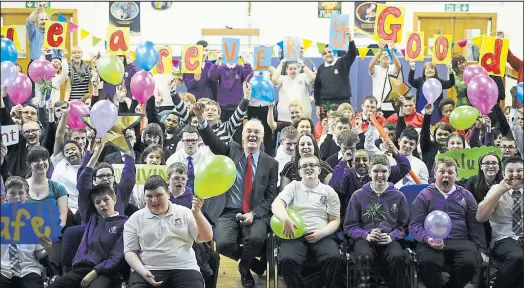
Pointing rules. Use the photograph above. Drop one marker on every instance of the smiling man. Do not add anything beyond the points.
(408, 144)
(286, 150)
(253, 202)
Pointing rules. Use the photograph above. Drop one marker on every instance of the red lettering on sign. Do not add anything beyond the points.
(10, 34)
(441, 48)
(260, 56)
(289, 48)
(340, 34)
(494, 59)
(230, 55)
(381, 24)
(192, 52)
(160, 63)
(55, 29)
(414, 40)
(117, 41)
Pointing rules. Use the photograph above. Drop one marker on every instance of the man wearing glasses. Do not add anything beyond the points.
(318, 203)
(191, 154)
(508, 147)
(332, 81)
(15, 163)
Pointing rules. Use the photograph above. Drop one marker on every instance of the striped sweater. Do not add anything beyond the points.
(223, 130)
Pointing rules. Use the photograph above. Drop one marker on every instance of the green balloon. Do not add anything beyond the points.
(215, 176)
(111, 69)
(463, 117)
(278, 226)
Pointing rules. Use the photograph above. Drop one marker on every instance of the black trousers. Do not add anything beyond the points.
(511, 257)
(31, 280)
(391, 253)
(224, 116)
(463, 256)
(74, 278)
(170, 279)
(261, 114)
(227, 232)
(293, 254)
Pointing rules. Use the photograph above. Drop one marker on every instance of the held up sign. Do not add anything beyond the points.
(10, 135)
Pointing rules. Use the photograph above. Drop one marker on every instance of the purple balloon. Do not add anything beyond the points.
(41, 68)
(20, 90)
(142, 86)
(471, 71)
(9, 73)
(437, 225)
(103, 116)
(432, 89)
(483, 93)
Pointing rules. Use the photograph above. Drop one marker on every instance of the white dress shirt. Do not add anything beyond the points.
(66, 174)
(181, 156)
(26, 255)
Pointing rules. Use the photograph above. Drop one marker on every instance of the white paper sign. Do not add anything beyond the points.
(10, 135)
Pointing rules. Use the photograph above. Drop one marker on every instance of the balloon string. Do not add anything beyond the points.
(143, 122)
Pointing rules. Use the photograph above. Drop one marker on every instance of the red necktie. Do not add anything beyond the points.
(248, 185)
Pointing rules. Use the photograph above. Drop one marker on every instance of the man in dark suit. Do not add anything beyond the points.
(254, 190)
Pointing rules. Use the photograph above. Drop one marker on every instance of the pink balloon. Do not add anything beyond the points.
(483, 93)
(142, 86)
(41, 68)
(472, 71)
(20, 90)
(77, 110)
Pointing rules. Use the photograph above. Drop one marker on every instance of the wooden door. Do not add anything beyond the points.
(18, 16)
(467, 28)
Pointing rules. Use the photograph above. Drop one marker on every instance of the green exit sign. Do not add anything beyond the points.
(34, 4)
(457, 7)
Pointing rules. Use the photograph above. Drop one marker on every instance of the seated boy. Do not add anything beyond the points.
(20, 266)
(377, 236)
(319, 205)
(158, 240)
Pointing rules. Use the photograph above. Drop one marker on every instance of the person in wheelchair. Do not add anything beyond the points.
(20, 263)
(101, 252)
(465, 241)
(158, 240)
(319, 204)
(503, 208)
(377, 217)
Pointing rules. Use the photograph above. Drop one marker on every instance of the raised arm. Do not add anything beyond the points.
(235, 121)
(350, 57)
(446, 84)
(271, 117)
(425, 137)
(374, 60)
(180, 107)
(85, 182)
(126, 184)
(60, 133)
(275, 76)
(401, 169)
(34, 15)
(208, 136)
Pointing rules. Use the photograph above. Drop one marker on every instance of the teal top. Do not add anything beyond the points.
(56, 191)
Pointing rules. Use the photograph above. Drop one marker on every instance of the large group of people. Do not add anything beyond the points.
(341, 175)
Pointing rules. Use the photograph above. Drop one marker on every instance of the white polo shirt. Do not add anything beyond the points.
(26, 255)
(313, 204)
(66, 174)
(163, 242)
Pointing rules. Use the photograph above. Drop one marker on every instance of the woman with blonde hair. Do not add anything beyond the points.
(79, 77)
(347, 111)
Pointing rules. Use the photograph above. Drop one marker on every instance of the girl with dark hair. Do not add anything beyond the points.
(304, 125)
(306, 144)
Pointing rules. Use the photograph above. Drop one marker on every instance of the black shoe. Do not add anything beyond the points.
(247, 279)
(258, 266)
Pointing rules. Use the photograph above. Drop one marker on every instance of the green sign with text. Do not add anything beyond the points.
(456, 7)
(33, 4)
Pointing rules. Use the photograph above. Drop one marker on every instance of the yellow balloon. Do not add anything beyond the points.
(214, 176)
(111, 69)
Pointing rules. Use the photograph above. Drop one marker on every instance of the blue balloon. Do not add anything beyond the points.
(520, 93)
(9, 52)
(146, 55)
(262, 89)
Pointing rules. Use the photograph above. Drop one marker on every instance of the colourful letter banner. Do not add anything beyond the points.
(26, 223)
(10, 32)
(230, 50)
(467, 159)
(292, 48)
(143, 172)
(494, 55)
(54, 36)
(338, 40)
(118, 40)
(164, 65)
(442, 52)
(262, 57)
(389, 23)
(192, 58)
(415, 46)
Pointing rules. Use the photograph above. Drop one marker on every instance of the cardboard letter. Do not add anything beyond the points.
(230, 50)
(10, 134)
(192, 58)
(164, 64)
(442, 52)
(262, 57)
(292, 48)
(118, 40)
(55, 34)
(494, 55)
(389, 23)
(415, 46)
(11, 33)
(338, 40)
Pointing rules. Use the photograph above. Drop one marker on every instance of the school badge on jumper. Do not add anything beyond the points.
(113, 230)
(323, 200)
(394, 208)
(178, 223)
(463, 202)
(335, 72)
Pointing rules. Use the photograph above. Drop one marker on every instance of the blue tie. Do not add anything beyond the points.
(190, 172)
